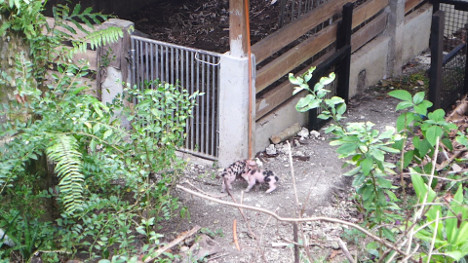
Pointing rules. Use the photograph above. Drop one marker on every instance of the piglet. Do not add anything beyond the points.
(254, 176)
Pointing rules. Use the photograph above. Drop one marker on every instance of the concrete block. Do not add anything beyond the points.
(277, 121)
(417, 31)
(233, 109)
(368, 65)
(112, 85)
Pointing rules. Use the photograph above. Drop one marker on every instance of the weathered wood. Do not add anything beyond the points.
(289, 33)
(294, 57)
(410, 4)
(369, 32)
(237, 28)
(366, 11)
(282, 93)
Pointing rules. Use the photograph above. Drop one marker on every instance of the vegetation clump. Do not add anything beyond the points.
(74, 181)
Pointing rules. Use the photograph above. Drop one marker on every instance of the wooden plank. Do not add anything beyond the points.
(369, 32)
(410, 4)
(294, 57)
(365, 11)
(274, 98)
(287, 34)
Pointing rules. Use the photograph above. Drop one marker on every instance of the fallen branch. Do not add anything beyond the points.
(345, 250)
(234, 234)
(240, 210)
(295, 220)
(174, 242)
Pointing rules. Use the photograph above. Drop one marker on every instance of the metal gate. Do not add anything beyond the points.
(193, 70)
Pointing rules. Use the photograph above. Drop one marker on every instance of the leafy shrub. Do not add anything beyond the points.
(67, 163)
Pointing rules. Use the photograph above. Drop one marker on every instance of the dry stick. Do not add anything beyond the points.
(431, 248)
(419, 213)
(201, 191)
(295, 220)
(260, 239)
(173, 243)
(345, 250)
(298, 211)
(240, 209)
(234, 234)
(449, 161)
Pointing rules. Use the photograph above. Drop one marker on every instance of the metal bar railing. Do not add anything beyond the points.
(192, 69)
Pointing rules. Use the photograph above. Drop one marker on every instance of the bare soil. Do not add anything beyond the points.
(321, 188)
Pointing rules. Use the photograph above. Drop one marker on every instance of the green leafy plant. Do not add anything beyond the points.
(365, 149)
(94, 177)
(445, 225)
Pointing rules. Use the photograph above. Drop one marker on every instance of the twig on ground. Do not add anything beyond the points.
(171, 244)
(234, 234)
(201, 191)
(260, 239)
(240, 210)
(345, 250)
(299, 212)
(296, 220)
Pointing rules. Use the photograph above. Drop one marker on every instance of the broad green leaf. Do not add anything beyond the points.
(366, 166)
(437, 115)
(456, 255)
(401, 95)
(404, 105)
(433, 133)
(347, 148)
(418, 97)
(107, 134)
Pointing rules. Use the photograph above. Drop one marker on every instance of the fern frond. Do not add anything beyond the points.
(64, 152)
(96, 39)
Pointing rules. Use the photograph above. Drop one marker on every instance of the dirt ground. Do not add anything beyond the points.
(321, 188)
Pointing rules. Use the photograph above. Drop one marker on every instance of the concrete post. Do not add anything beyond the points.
(113, 62)
(395, 29)
(233, 109)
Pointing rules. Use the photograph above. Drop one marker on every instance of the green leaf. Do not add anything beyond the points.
(433, 133)
(107, 134)
(437, 115)
(366, 165)
(404, 105)
(347, 148)
(418, 97)
(401, 95)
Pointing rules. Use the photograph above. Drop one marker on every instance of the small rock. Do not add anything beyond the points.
(303, 133)
(184, 248)
(314, 134)
(271, 150)
(299, 153)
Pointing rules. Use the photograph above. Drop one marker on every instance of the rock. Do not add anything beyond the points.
(303, 133)
(205, 246)
(314, 134)
(271, 150)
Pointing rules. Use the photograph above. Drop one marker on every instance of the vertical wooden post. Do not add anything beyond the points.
(237, 29)
(344, 40)
(435, 72)
(465, 86)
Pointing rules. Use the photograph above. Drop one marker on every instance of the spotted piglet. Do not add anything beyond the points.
(260, 176)
(236, 171)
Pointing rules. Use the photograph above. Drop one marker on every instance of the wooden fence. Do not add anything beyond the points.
(281, 52)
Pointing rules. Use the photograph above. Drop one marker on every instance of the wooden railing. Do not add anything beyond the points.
(369, 20)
